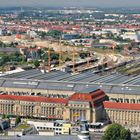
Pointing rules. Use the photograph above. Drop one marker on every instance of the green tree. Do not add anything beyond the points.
(36, 63)
(3, 70)
(116, 132)
(40, 52)
(1, 130)
(7, 116)
(54, 33)
(125, 134)
(18, 120)
(134, 139)
(3, 116)
(67, 59)
(54, 56)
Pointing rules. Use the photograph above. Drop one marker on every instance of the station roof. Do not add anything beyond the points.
(58, 80)
(89, 90)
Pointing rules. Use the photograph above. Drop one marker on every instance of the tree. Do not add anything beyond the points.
(54, 56)
(67, 59)
(36, 63)
(18, 120)
(7, 116)
(3, 116)
(116, 132)
(1, 130)
(83, 55)
(54, 33)
(3, 70)
(125, 134)
(40, 52)
(119, 47)
(134, 139)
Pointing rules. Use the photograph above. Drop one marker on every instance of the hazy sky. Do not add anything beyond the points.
(91, 3)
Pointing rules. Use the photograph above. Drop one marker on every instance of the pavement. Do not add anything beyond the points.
(94, 136)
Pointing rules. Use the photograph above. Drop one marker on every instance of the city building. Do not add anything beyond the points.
(132, 36)
(70, 36)
(66, 128)
(86, 104)
(118, 87)
(8, 50)
(51, 128)
(4, 124)
(126, 114)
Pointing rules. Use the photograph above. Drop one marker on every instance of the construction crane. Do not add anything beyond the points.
(113, 53)
(49, 59)
(105, 60)
(107, 57)
(48, 51)
(60, 55)
(89, 54)
(88, 57)
(73, 59)
(125, 52)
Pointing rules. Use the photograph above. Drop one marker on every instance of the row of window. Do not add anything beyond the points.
(78, 105)
(124, 115)
(49, 128)
(30, 103)
(121, 100)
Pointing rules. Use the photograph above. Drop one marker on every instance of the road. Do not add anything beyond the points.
(93, 137)
(96, 136)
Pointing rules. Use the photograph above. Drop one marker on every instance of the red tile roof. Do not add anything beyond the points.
(34, 99)
(76, 26)
(88, 97)
(81, 97)
(127, 106)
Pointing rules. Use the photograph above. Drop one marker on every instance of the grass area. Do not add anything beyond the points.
(23, 126)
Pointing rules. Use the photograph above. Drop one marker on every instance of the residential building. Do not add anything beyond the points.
(132, 36)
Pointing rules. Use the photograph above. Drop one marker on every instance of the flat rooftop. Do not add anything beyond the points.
(58, 80)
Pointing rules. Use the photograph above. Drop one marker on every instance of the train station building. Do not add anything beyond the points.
(60, 95)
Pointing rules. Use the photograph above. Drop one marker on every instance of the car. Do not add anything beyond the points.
(18, 135)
